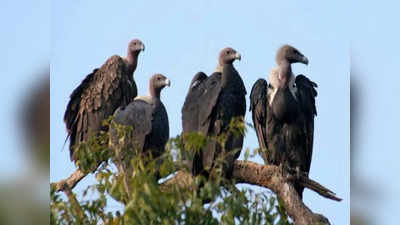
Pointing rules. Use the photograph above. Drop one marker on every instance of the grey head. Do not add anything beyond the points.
(157, 83)
(290, 54)
(227, 56)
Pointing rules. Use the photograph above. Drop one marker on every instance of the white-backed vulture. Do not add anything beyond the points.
(148, 118)
(283, 114)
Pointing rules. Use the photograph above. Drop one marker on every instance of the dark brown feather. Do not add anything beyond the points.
(258, 106)
(96, 98)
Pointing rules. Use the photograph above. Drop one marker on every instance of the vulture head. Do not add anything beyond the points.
(135, 46)
(227, 56)
(157, 83)
(290, 54)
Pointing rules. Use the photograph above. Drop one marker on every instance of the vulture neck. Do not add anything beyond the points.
(230, 76)
(154, 92)
(285, 72)
(219, 68)
(132, 61)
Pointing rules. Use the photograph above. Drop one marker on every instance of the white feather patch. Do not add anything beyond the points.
(146, 98)
(274, 84)
(218, 69)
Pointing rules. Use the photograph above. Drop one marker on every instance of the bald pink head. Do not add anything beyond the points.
(135, 47)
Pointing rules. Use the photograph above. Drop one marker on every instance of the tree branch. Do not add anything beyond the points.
(246, 172)
(264, 175)
(270, 177)
(70, 182)
(77, 209)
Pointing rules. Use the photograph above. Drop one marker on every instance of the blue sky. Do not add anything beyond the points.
(375, 60)
(24, 56)
(183, 38)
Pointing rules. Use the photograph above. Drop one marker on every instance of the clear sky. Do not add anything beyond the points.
(375, 76)
(25, 53)
(183, 38)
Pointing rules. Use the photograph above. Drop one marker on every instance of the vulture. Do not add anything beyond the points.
(149, 120)
(210, 105)
(283, 112)
(100, 94)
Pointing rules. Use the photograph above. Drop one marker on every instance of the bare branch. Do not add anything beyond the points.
(253, 173)
(77, 209)
(270, 177)
(70, 182)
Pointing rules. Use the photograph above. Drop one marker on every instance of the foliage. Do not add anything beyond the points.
(144, 201)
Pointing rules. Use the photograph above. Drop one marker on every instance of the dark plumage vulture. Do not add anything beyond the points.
(148, 118)
(100, 94)
(283, 114)
(210, 105)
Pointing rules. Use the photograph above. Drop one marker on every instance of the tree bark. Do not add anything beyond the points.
(271, 177)
(70, 182)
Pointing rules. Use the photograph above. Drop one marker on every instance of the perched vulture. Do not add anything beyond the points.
(210, 105)
(283, 114)
(148, 118)
(100, 94)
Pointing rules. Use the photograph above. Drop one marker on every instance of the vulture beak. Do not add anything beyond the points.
(142, 47)
(168, 82)
(304, 60)
(238, 56)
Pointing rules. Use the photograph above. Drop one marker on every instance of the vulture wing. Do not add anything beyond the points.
(96, 98)
(75, 100)
(306, 94)
(190, 108)
(199, 102)
(208, 101)
(139, 115)
(258, 106)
